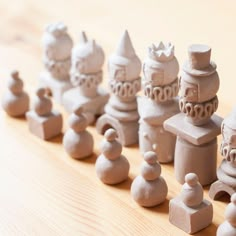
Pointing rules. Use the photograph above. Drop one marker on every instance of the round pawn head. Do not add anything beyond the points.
(41, 92)
(150, 157)
(191, 179)
(15, 84)
(110, 135)
(77, 121)
(230, 212)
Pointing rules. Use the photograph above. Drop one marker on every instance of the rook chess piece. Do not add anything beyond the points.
(197, 126)
(57, 45)
(43, 121)
(121, 111)
(149, 189)
(189, 211)
(77, 141)
(160, 71)
(111, 166)
(86, 76)
(15, 101)
(226, 172)
(228, 228)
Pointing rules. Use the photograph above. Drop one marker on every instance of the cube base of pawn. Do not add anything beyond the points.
(45, 127)
(198, 159)
(56, 87)
(127, 131)
(219, 188)
(94, 106)
(190, 220)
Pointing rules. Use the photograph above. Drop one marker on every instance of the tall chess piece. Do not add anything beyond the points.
(86, 76)
(15, 101)
(228, 228)
(121, 111)
(226, 172)
(57, 45)
(160, 71)
(196, 126)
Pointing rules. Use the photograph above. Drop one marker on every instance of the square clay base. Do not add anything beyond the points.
(57, 87)
(45, 127)
(190, 220)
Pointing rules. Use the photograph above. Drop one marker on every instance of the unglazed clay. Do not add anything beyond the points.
(15, 101)
(57, 45)
(226, 172)
(111, 166)
(189, 211)
(121, 111)
(149, 189)
(86, 75)
(43, 121)
(160, 71)
(228, 228)
(77, 141)
(196, 126)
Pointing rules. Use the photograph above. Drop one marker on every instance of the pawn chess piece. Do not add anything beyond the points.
(111, 166)
(57, 46)
(121, 113)
(149, 189)
(77, 141)
(197, 127)
(86, 76)
(160, 102)
(189, 211)
(15, 101)
(228, 228)
(226, 172)
(43, 121)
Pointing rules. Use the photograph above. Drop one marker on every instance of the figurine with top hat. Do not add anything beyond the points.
(160, 83)
(197, 126)
(121, 113)
(86, 75)
(57, 45)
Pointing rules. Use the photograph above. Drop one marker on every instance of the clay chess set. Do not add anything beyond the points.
(173, 121)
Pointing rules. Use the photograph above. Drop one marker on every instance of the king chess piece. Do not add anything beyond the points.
(86, 76)
(226, 172)
(160, 71)
(121, 111)
(57, 45)
(197, 126)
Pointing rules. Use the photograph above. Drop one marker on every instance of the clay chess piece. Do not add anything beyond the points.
(15, 101)
(196, 126)
(160, 71)
(189, 211)
(77, 141)
(111, 166)
(226, 172)
(228, 228)
(57, 46)
(43, 121)
(149, 189)
(86, 75)
(121, 111)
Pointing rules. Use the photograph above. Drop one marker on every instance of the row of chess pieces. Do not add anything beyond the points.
(73, 76)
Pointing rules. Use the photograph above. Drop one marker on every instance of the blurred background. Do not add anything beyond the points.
(181, 22)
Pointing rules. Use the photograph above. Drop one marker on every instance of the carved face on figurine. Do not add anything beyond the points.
(228, 145)
(161, 67)
(189, 91)
(87, 57)
(124, 65)
(57, 44)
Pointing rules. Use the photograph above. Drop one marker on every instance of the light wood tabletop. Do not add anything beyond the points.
(45, 192)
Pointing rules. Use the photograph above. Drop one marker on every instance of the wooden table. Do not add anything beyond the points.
(45, 192)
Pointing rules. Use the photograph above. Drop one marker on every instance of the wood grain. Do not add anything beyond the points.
(45, 192)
